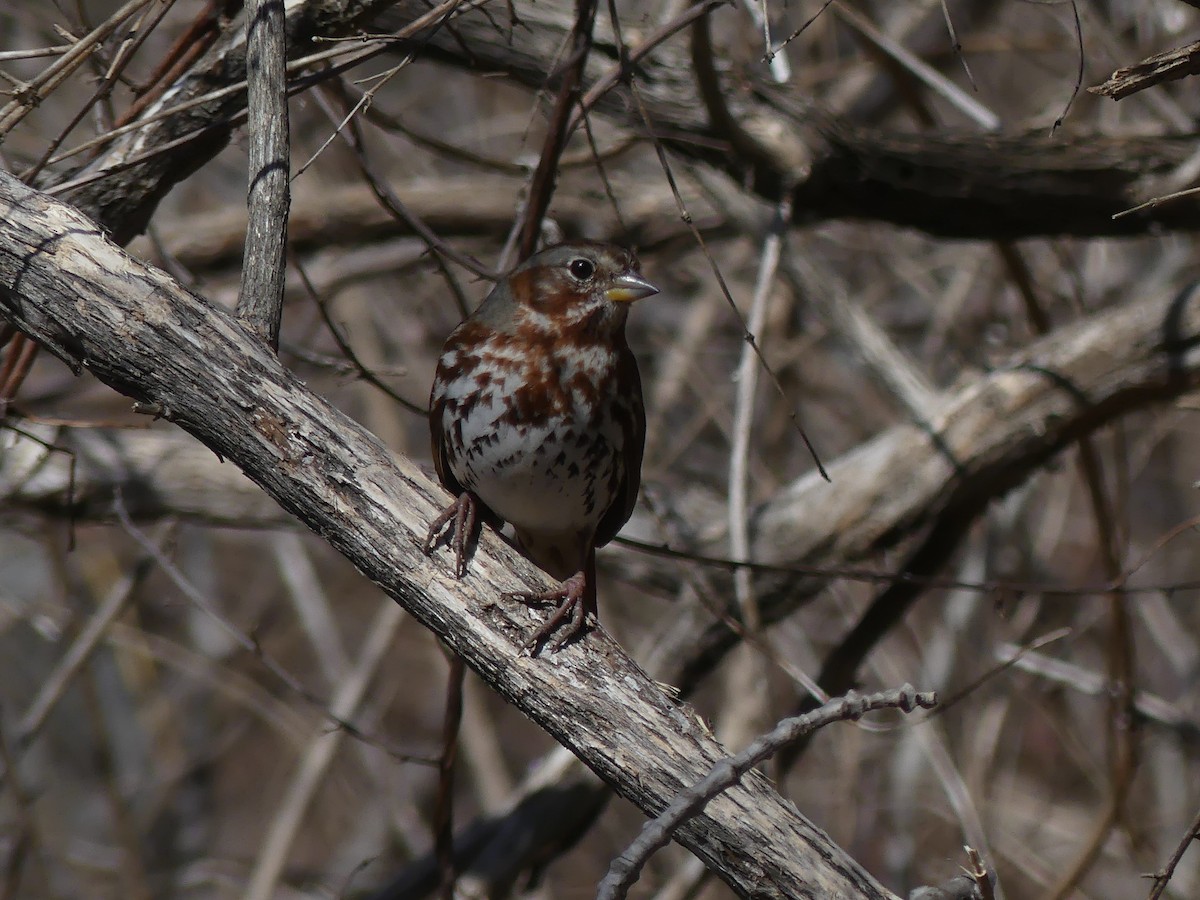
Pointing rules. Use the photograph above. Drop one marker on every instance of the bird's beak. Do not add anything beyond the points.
(627, 287)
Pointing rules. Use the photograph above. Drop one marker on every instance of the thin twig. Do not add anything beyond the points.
(771, 51)
(14, 369)
(657, 832)
(708, 84)
(8, 55)
(320, 754)
(103, 91)
(189, 46)
(443, 820)
(746, 381)
(1120, 721)
(25, 833)
(346, 56)
(979, 871)
(364, 372)
(541, 189)
(33, 93)
(54, 685)
(394, 206)
(1163, 876)
(956, 46)
(1078, 86)
(243, 640)
(620, 72)
(931, 77)
(883, 576)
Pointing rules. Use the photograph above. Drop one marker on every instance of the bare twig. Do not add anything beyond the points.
(31, 94)
(933, 79)
(391, 202)
(205, 605)
(1167, 66)
(541, 189)
(19, 354)
(362, 369)
(138, 33)
(623, 871)
(55, 685)
(443, 827)
(7, 55)
(979, 871)
(746, 381)
(320, 754)
(1163, 876)
(325, 468)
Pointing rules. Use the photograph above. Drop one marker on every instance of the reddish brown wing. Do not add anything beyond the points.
(625, 497)
(441, 452)
(437, 435)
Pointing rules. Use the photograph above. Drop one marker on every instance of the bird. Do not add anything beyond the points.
(537, 420)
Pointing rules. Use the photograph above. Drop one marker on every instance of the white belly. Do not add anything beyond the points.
(548, 479)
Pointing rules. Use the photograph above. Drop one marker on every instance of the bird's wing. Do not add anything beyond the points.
(437, 435)
(625, 497)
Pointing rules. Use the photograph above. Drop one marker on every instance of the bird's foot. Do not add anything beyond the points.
(458, 526)
(571, 600)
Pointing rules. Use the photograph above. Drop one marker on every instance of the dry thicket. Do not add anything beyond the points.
(942, 245)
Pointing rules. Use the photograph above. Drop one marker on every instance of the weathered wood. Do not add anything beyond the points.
(63, 282)
(990, 433)
(160, 473)
(1171, 65)
(993, 432)
(987, 435)
(260, 305)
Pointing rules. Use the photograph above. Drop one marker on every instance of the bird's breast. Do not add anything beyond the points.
(538, 436)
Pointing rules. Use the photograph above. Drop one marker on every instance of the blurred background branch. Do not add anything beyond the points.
(954, 309)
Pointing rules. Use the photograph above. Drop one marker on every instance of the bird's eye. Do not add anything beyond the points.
(581, 269)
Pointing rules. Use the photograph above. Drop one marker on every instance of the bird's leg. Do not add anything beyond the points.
(463, 518)
(575, 598)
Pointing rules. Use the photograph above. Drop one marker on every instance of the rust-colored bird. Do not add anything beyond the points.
(536, 418)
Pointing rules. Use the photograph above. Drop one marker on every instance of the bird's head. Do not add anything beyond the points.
(578, 285)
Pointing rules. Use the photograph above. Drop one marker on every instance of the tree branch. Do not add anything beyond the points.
(124, 201)
(65, 284)
(75, 471)
(260, 304)
(968, 185)
(1171, 65)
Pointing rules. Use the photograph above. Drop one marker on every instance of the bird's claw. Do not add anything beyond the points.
(462, 520)
(572, 610)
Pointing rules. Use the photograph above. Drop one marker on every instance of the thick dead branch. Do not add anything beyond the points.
(958, 186)
(993, 432)
(63, 282)
(349, 215)
(984, 437)
(990, 434)
(75, 471)
(324, 216)
(655, 834)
